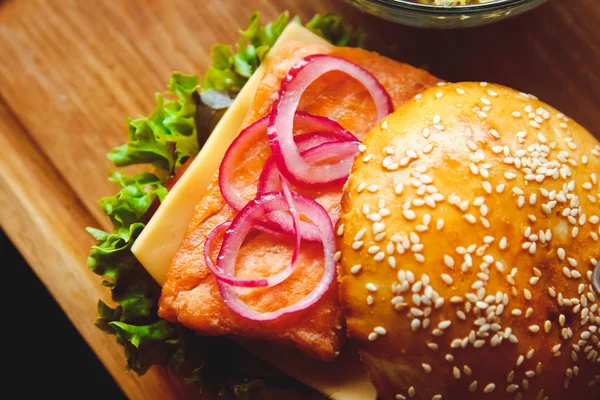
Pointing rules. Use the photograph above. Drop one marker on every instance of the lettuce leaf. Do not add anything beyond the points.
(333, 28)
(231, 67)
(175, 131)
(168, 137)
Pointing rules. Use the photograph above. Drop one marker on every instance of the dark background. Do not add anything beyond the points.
(42, 350)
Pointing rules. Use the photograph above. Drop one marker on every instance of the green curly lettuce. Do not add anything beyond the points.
(172, 134)
(232, 67)
(168, 137)
(333, 28)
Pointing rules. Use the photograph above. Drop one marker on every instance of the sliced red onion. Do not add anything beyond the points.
(253, 134)
(232, 243)
(270, 172)
(281, 121)
(261, 206)
(289, 199)
(344, 151)
(269, 181)
(304, 160)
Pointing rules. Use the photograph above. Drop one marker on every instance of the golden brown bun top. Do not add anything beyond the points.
(468, 237)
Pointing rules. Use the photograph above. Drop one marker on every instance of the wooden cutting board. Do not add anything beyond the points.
(71, 70)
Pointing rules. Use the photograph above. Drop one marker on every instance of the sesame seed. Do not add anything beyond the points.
(380, 330)
(337, 256)
(456, 372)
(433, 346)
(392, 262)
(426, 367)
(412, 392)
(415, 324)
(487, 187)
(529, 312)
(409, 214)
(355, 269)
(473, 386)
(556, 348)
(447, 279)
(371, 287)
(373, 249)
(416, 311)
(373, 336)
(534, 328)
(534, 280)
(489, 388)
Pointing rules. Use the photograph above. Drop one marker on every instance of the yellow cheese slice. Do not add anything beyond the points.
(343, 379)
(160, 239)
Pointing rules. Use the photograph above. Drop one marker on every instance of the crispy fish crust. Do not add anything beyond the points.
(190, 295)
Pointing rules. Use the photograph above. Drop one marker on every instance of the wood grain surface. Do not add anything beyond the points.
(71, 70)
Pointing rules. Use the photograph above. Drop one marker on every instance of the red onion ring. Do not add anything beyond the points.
(261, 206)
(289, 199)
(253, 133)
(270, 173)
(281, 121)
(232, 249)
(269, 182)
(299, 159)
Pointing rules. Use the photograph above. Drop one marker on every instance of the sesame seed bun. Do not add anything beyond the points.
(468, 237)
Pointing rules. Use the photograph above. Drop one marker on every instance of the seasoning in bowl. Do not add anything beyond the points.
(453, 2)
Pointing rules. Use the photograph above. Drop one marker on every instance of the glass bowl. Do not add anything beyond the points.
(412, 13)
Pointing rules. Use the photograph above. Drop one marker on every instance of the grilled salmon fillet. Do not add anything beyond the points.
(190, 294)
